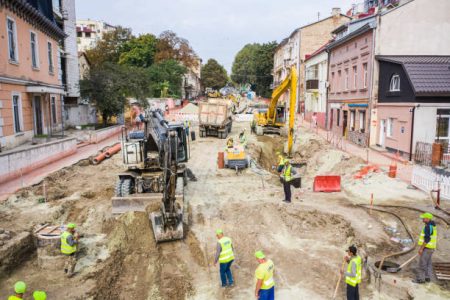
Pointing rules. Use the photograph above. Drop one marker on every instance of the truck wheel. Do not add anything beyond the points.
(127, 187)
(118, 188)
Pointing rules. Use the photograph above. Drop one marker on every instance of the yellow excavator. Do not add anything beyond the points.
(272, 120)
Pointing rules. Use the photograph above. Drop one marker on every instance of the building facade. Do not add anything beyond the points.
(316, 83)
(31, 89)
(413, 102)
(191, 85)
(349, 76)
(89, 32)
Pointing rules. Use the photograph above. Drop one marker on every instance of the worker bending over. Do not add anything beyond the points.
(286, 177)
(19, 290)
(265, 285)
(427, 243)
(353, 273)
(230, 143)
(225, 256)
(69, 242)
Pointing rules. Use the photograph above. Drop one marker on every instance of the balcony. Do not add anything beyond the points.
(312, 84)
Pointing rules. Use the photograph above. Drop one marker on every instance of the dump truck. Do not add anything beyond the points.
(215, 118)
(155, 174)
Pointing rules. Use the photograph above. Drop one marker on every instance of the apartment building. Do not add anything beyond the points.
(30, 85)
(89, 32)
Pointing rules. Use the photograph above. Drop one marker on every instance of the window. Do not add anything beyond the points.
(352, 120)
(34, 50)
(395, 83)
(365, 75)
(355, 77)
(79, 34)
(362, 120)
(17, 113)
(390, 127)
(346, 80)
(12, 40)
(338, 85)
(338, 117)
(332, 87)
(87, 34)
(53, 105)
(50, 57)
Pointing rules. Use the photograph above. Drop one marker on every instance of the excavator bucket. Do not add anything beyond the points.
(166, 233)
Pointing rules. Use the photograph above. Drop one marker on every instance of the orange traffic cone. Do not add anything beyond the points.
(393, 169)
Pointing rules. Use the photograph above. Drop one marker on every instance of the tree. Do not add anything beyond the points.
(110, 47)
(166, 78)
(140, 51)
(213, 75)
(253, 65)
(109, 84)
(170, 46)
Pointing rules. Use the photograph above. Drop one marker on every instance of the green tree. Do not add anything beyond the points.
(140, 51)
(253, 65)
(213, 75)
(166, 78)
(110, 47)
(109, 84)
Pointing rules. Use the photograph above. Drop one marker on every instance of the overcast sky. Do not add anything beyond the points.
(215, 28)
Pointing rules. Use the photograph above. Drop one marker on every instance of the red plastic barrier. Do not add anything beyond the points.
(327, 184)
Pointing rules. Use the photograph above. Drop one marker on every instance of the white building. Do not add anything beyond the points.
(89, 32)
(315, 82)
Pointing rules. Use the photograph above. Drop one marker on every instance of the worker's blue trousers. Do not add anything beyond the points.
(267, 294)
(225, 273)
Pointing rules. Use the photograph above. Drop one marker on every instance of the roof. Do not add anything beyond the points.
(428, 75)
(351, 35)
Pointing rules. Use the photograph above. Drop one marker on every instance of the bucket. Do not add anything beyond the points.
(297, 182)
(220, 160)
(392, 170)
(192, 135)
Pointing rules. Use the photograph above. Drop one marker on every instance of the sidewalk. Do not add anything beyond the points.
(404, 168)
(10, 187)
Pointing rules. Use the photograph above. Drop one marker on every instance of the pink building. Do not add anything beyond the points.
(30, 88)
(349, 77)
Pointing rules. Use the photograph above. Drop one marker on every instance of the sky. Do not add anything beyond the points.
(215, 28)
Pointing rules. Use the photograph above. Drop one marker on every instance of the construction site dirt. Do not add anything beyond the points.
(307, 239)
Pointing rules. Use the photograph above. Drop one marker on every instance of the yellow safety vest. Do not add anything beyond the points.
(353, 281)
(65, 247)
(226, 255)
(266, 269)
(14, 298)
(287, 173)
(282, 160)
(433, 238)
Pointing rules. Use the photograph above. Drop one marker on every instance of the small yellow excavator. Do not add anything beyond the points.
(272, 120)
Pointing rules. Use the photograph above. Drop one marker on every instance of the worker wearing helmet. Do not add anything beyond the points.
(19, 290)
(225, 257)
(69, 243)
(230, 143)
(281, 161)
(243, 138)
(39, 295)
(427, 243)
(265, 285)
(286, 177)
(353, 273)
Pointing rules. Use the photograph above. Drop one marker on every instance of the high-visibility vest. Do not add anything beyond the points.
(267, 269)
(353, 281)
(281, 160)
(226, 255)
(433, 238)
(14, 298)
(65, 247)
(287, 173)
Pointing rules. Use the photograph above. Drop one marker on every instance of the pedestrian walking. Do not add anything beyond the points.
(286, 177)
(353, 273)
(264, 283)
(19, 290)
(225, 257)
(427, 243)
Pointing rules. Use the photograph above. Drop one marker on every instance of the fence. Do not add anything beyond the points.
(427, 179)
(423, 154)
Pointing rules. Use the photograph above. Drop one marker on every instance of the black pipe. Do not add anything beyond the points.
(412, 133)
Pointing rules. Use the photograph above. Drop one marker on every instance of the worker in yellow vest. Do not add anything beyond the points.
(281, 161)
(69, 243)
(230, 143)
(19, 290)
(39, 295)
(427, 243)
(225, 257)
(286, 177)
(265, 285)
(353, 273)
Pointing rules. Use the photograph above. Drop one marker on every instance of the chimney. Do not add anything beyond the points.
(336, 11)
